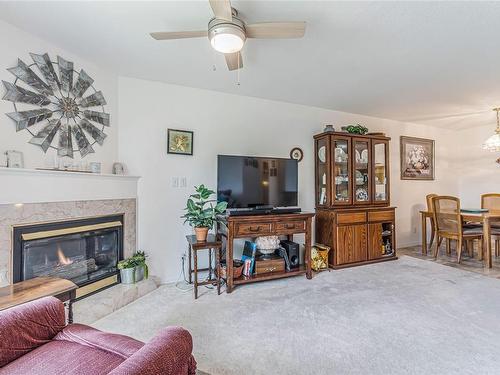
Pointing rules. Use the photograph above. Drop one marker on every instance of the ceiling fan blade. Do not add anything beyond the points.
(270, 30)
(234, 61)
(222, 9)
(165, 35)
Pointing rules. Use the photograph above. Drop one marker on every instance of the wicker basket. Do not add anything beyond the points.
(319, 257)
(237, 268)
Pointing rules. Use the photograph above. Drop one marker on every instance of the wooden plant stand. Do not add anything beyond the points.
(211, 244)
(266, 225)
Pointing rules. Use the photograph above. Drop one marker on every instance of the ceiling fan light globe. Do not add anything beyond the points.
(227, 43)
(226, 37)
(492, 143)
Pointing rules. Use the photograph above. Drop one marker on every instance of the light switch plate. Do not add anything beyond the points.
(183, 182)
(174, 182)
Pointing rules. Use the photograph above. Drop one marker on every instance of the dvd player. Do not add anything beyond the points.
(262, 211)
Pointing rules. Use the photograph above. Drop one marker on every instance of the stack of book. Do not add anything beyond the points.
(248, 258)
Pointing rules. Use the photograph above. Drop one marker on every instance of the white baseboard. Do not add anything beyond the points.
(409, 244)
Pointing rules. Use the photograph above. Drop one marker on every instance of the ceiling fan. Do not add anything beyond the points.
(227, 32)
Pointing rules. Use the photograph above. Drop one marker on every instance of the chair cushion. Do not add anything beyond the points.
(472, 225)
(63, 358)
(473, 231)
(478, 227)
(120, 345)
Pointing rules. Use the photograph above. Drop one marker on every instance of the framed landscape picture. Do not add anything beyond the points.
(179, 142)
(417, 158)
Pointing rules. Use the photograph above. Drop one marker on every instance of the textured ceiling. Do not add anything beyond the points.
(411, 61)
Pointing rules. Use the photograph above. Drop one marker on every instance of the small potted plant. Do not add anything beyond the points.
(355, 129)
(201, 212)
(141, 268)
(133, 269)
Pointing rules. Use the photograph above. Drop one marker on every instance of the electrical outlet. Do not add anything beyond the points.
(174, 182)
(183, 182)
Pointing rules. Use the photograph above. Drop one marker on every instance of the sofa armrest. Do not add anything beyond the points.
(168, 353)
(28, 326)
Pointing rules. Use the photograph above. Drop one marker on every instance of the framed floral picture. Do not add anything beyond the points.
(179, 142)
(417, 158)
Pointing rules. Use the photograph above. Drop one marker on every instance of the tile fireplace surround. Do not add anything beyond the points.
(15, 214)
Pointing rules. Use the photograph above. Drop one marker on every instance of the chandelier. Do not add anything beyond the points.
(493, 143)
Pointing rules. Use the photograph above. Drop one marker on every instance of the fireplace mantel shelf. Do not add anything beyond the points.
(39, 186)
(39, 172)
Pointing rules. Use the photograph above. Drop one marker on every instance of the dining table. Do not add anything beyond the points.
(486, 218)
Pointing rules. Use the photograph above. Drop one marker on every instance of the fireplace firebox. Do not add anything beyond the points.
(85, 251)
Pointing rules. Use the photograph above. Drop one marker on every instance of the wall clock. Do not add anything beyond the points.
(297, 154)
(61, 110)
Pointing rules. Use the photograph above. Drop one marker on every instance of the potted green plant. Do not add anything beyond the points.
(202, 212)
(355, 129)
(141, 268)
(133, 269)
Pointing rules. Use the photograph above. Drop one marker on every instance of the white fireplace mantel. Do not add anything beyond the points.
(38, 186)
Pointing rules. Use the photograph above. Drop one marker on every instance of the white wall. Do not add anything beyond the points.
(477, 171)
(16, 43)
(229, 124)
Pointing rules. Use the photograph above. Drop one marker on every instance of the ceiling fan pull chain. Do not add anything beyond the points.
(214, 66)
(238, 71)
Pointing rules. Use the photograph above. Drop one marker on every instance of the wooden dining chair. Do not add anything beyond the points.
(491, 201)
(428, 199)
(448, 225)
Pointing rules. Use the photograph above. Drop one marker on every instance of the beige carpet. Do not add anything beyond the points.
(403, 317)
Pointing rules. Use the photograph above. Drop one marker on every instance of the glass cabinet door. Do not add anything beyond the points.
(381, 172)
(341, 193)
(322, 171)
(361, 176)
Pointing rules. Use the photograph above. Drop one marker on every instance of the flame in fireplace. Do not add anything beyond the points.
(63, 260)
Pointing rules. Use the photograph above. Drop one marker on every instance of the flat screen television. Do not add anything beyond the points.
(256, 182)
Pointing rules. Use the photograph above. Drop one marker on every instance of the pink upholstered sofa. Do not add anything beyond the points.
(34, 339)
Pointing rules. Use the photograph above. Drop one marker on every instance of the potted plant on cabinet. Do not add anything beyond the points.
(133, 269)
(201, 213)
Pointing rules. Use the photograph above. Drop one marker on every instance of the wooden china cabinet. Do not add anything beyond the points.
(353, 213)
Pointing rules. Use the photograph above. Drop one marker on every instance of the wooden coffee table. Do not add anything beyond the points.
(37, 288)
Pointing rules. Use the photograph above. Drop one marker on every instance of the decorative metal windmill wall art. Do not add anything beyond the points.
(63, 113)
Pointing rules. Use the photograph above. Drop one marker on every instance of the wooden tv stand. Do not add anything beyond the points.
(266, 225)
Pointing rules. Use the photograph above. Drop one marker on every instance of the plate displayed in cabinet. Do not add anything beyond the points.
(358, 157)
(361, 194)
(322, 154)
